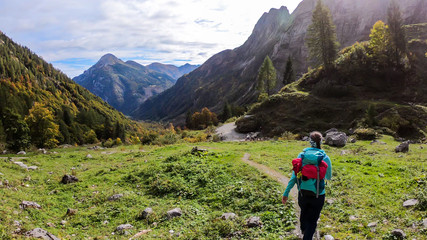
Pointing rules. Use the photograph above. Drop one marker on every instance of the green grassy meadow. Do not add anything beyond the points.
(370, 183)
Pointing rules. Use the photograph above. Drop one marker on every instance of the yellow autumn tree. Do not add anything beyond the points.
(43, 129)
(379, 41)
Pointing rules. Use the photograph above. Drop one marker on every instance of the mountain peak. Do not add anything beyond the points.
(108, 59)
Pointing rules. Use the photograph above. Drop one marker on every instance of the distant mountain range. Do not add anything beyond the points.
(126, 85)
(172, 70)
(230, 76)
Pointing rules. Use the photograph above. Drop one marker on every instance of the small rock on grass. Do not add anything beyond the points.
(147, 212)
(29, 204)
(372, 224)
(41, 233)
(410, 203)
(176, 212)
(69, 179)
(123, 227)
(253, 222)
(329, 237)
(22, 153)
(21, 164)
(32, 168)
(71, 212)
(115, 197)
(398, 233)
(228, 216)
(89, 156)
(141, 233)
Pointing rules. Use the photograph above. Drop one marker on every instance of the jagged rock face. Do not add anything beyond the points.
(353, 21)
(231, 75)
(124, 85)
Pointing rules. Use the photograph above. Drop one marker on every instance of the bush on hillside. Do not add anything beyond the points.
(90, 137)
(166, 139)
(149, 137)
(108, 143)
(365, 134)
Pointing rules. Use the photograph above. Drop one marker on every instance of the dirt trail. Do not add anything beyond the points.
(228, 132)
(282, 180)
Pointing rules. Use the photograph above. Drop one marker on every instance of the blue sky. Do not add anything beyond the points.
(73, 35)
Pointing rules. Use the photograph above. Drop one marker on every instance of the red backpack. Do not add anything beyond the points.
(309, 171)
(310, 167)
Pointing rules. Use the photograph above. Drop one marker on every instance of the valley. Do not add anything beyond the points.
(370, 184)
(156, 151)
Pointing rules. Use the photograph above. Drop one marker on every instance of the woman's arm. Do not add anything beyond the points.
(291, 184)
(329, 169)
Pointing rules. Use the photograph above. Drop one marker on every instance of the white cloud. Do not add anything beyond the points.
(147, 30)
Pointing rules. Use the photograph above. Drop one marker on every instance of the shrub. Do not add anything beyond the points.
(149, 138)
(134, 140)
(90, 137)
(168, 138)
(109, 143)
(365, 134)
(288, 136)
(118, 142)
(216, 138)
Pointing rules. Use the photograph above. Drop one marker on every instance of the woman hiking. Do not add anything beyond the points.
(310, 169)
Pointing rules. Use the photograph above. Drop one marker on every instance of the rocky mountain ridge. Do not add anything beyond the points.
(124, 85)
(230, 75)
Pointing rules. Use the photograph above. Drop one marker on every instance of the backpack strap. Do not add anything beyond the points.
(319, 160)
(299, 179)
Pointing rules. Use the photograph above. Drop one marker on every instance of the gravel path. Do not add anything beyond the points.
(228, 132)
(282, 180)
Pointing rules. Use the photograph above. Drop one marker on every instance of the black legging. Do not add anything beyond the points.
(310, 212)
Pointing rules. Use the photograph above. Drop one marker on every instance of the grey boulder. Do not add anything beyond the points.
(41, 233)
(403, 147)
(253, 222)
(176, 212)
(336, 139)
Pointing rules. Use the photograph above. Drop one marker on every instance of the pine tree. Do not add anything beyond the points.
(321, 37)
(189, 120)
(16, 130)
(396, 31)
(267, 77)
(226, 112)
(289, 75)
